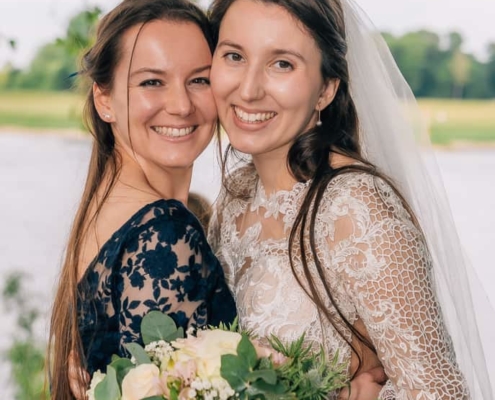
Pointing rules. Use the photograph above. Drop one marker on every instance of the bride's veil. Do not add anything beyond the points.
(394, 139)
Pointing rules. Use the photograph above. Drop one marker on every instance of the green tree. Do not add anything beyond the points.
(460, 68)
(55, 62)
(49, 70)
(490, 69)
(80, 32)
(477, 87)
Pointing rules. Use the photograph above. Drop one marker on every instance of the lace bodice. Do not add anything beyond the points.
(158, 260)
(375, 262)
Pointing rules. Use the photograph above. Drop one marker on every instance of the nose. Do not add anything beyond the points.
(252, 86)
(179, 101)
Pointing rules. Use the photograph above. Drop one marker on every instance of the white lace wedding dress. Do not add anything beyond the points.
(377, 266)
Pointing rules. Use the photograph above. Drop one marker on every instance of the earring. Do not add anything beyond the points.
(319, 123)
(106, 116)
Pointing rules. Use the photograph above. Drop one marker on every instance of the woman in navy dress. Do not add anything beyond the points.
(134, 245)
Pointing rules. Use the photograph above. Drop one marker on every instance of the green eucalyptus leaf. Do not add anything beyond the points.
(108, 388)
(267, 390)
(234, 370)
(138, 353)
(159, 326)
(246, 350)
(267, 375)
(122, 366)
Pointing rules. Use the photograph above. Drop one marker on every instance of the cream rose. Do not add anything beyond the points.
(142, 381)
(206, 350)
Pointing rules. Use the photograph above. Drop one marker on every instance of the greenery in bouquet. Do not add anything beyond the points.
(215, 364)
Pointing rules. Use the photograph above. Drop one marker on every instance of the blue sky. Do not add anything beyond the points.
(35, 22)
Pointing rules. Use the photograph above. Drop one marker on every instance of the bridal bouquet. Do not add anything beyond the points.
(215, 364)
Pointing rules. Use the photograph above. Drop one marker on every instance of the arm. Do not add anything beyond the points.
(385, 266)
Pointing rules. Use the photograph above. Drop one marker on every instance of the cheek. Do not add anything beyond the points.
(143, 105)
(223, 82)
(205, 104)
(295, 94)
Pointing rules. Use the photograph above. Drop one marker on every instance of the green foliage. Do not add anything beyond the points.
(158, 326)
(251, 378)
(55, 62)
(490, 68)
(308, 375)
(80, 33)
(26, 355)
(108, 388)
(435, 70)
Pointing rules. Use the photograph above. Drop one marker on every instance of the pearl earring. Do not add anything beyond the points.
(106, 116)
(319, 123)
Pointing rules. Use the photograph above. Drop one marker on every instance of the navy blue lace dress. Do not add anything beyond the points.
(158, 260)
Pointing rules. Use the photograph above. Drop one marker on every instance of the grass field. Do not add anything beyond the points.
(43, 110)
(453, 121)
(449, 121)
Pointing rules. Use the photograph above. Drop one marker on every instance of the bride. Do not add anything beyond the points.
(331, 225)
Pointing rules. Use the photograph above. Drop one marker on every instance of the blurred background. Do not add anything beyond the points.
(445, 50)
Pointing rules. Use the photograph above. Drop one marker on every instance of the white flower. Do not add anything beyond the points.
(142, 381)
(98, 376)
(206, 350)
(159, 352)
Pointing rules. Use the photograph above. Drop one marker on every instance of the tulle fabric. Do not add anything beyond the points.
(395, 140)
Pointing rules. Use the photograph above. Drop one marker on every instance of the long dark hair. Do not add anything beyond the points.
(308, 157)
(98, 66)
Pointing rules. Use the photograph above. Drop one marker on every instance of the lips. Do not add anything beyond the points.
(253, 117)
(174, 132)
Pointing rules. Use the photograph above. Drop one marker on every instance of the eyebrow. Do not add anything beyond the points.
(277, 52)
(158, 71)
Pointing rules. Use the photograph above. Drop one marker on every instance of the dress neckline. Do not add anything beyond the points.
(273, 202)
(126, 226)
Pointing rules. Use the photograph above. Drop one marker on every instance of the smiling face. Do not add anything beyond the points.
(266, 78)
(169, 117)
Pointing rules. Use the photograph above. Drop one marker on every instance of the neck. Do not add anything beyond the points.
(274, 172)
(148, 179)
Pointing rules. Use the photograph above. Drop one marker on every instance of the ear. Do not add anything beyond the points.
(328, 93)
(102, 103)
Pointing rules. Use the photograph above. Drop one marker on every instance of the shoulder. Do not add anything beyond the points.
(163, 221)
(363, 192)
(164, 211)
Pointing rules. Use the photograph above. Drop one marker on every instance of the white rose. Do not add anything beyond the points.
(206, 350)
(142, 381)
(98, 376)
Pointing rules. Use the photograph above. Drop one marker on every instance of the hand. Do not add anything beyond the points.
(365, 386)
(78, 378)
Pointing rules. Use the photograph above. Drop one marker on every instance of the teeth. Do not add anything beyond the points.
(253, 118)
(173, 132)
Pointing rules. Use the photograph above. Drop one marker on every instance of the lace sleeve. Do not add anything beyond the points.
(381, 258)
(162, 269)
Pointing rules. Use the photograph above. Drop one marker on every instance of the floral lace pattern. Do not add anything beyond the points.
(375, 262)
(158, 260)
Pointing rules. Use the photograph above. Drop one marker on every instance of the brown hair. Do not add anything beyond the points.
(308, 157)
(98, 66)
(201, 208)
